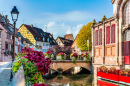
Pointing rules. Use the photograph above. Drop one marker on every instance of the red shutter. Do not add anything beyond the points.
(100, 36)
(106, 34)
(97, 37)
(113, 33)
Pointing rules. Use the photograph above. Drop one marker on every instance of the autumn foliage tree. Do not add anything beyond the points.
(84, 35)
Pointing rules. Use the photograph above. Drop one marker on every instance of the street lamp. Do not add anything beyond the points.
(14, 14)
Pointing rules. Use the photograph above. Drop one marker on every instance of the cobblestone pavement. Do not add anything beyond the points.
(5, 76)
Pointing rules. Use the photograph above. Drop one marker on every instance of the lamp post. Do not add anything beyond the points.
(14, 14)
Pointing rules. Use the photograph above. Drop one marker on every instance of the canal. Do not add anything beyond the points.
(76, 76)
(69, 80)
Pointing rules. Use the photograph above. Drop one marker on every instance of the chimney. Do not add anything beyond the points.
(31, 25)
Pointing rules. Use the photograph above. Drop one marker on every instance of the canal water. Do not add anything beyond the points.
(69, 80)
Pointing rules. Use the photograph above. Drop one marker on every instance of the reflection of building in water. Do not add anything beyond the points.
(76, 70)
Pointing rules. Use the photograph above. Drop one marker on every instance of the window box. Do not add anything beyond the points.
(115, 77)
(127, 79)
(122, 78)
(99, 73)
(109, 76)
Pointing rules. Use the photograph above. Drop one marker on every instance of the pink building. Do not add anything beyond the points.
(6, 42)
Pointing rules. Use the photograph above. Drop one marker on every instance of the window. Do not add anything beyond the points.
(39, 44)
(0, 34)
(48, 39)
(6, 45)
(96, 38)
(28, 32)
(127, 13)
(36, 38)
(74, 47)
(108, 35)
(7, 36)
(39, 38)
(44, 44)
(43, 39)
(113, 33)
(49, 45)
(100, 37)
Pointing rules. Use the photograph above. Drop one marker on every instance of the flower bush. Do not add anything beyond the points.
(35, 65)
(112, 70)
(60, 56)
(85, 56)
(74, 57)
(48, 54)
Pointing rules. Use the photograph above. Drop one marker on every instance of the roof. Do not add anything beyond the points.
(69, 36)
(66, 41)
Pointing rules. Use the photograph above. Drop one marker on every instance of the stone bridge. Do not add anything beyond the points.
(67, 64)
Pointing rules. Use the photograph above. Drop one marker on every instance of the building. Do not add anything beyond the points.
(69, 36)
(40, 39)
(61, 41)
(6, 36)
(111, 38)
(75, 47)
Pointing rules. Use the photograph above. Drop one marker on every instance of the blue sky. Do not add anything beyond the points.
(60, 16)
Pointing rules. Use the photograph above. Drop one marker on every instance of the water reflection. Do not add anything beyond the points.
(69, 80)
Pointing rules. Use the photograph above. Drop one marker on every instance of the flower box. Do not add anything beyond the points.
(122, 78)
(127, 79)
(115, 77)
(104, 75)
(109, 76)
(99, 73)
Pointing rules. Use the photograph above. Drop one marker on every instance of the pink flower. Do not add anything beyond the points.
(39, 84)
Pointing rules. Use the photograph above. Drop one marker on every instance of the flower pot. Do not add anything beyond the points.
(59, 58)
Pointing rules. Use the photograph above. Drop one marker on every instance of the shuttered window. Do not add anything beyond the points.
(113, 33)
(96, 38)
(100, 37)
(108, 35)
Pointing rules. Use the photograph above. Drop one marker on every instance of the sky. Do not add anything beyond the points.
(58, 17)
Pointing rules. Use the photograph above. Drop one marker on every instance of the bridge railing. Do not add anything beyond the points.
(68, 57)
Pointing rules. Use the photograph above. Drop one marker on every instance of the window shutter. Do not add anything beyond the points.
(108, 35)
(97, 37)
(101, 37)
(114, 34)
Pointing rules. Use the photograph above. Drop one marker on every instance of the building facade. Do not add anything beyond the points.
(110, 39)
(41, 40)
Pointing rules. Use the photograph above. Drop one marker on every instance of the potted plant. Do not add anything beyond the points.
(74, 57)
(60, 56)
(49, 55)
(85, 57)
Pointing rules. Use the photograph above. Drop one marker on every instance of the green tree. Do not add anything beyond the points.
(84, 35)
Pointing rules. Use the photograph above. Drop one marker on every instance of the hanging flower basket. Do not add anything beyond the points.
(60, 56)
(74, 57)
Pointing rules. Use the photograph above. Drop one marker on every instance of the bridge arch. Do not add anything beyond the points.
(67, 65)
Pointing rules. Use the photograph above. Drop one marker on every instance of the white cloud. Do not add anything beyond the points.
(63, 23)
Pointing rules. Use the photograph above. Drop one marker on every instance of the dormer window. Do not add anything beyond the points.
(36, 38)
(39, 38)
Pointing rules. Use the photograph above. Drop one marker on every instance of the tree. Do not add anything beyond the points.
(84, 35)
